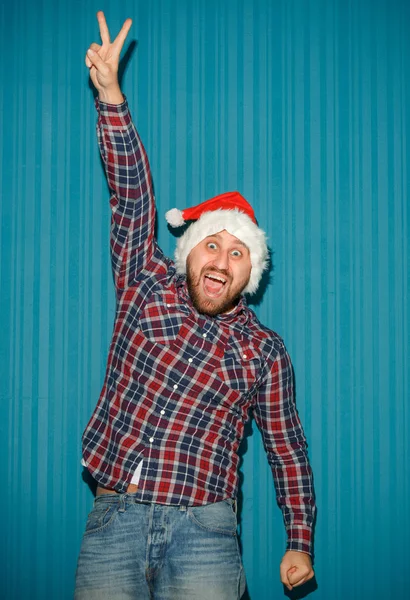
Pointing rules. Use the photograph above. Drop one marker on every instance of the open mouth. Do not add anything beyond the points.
(214, 284)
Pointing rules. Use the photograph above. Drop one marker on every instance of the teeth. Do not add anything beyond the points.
(217, 278)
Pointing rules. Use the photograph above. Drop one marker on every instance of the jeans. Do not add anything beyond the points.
(153, 551)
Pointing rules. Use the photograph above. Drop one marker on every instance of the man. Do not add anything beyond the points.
(188, 360)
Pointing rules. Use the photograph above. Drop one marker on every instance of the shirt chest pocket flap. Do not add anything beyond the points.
(240, 366)
(159, 320)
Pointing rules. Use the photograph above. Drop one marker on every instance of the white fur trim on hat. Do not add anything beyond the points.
(237, 224)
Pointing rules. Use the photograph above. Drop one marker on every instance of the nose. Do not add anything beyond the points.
(222, 260)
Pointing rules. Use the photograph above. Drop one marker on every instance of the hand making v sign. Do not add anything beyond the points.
(103, 61)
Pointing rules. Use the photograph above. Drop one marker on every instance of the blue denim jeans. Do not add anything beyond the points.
(151, 551)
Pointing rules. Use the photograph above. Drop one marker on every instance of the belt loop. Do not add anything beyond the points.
(123, 498)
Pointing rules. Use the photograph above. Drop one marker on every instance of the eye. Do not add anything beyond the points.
(236, 253)
(212, 245)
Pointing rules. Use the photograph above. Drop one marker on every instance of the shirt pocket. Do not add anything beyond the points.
(159, 322)
(240, 367)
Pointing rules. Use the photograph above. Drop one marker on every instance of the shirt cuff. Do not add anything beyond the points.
(300, 539)
(114, 116)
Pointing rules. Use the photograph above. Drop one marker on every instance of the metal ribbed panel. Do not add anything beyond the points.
(303, 107)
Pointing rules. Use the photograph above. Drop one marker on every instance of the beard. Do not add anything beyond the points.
(213, 306)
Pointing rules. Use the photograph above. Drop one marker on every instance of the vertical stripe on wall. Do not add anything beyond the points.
(303, 106)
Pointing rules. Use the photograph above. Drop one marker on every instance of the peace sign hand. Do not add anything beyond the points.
(103, 61)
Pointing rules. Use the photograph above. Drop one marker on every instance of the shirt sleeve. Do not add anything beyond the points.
(285, 445)
(133, 245)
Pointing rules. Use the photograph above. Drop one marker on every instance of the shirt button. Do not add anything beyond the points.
(244, 356)
(151, 440)
(189, 360)
(204, 335)
(175, 386)
(169, 305)
(163, 412)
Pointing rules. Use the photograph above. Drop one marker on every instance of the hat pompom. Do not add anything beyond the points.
(175, 217)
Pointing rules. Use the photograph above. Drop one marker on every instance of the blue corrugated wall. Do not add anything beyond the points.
(304, 107)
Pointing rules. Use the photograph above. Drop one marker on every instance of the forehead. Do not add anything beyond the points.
(226, 237)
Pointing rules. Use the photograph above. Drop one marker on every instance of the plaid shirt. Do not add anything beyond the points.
(179, 385)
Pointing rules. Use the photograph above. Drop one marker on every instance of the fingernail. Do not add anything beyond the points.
(90, 52)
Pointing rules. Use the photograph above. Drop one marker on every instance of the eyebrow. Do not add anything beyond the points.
(218, 235)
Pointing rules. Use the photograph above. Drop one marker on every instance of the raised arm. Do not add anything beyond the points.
(126, 163)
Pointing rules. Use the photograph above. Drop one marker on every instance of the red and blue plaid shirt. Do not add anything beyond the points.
(179, 385)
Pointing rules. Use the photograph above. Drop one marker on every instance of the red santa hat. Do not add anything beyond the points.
(230, 212)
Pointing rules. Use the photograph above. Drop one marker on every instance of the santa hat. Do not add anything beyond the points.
(228, 211)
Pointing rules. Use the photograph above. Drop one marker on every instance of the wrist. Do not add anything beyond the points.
(111, 95)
